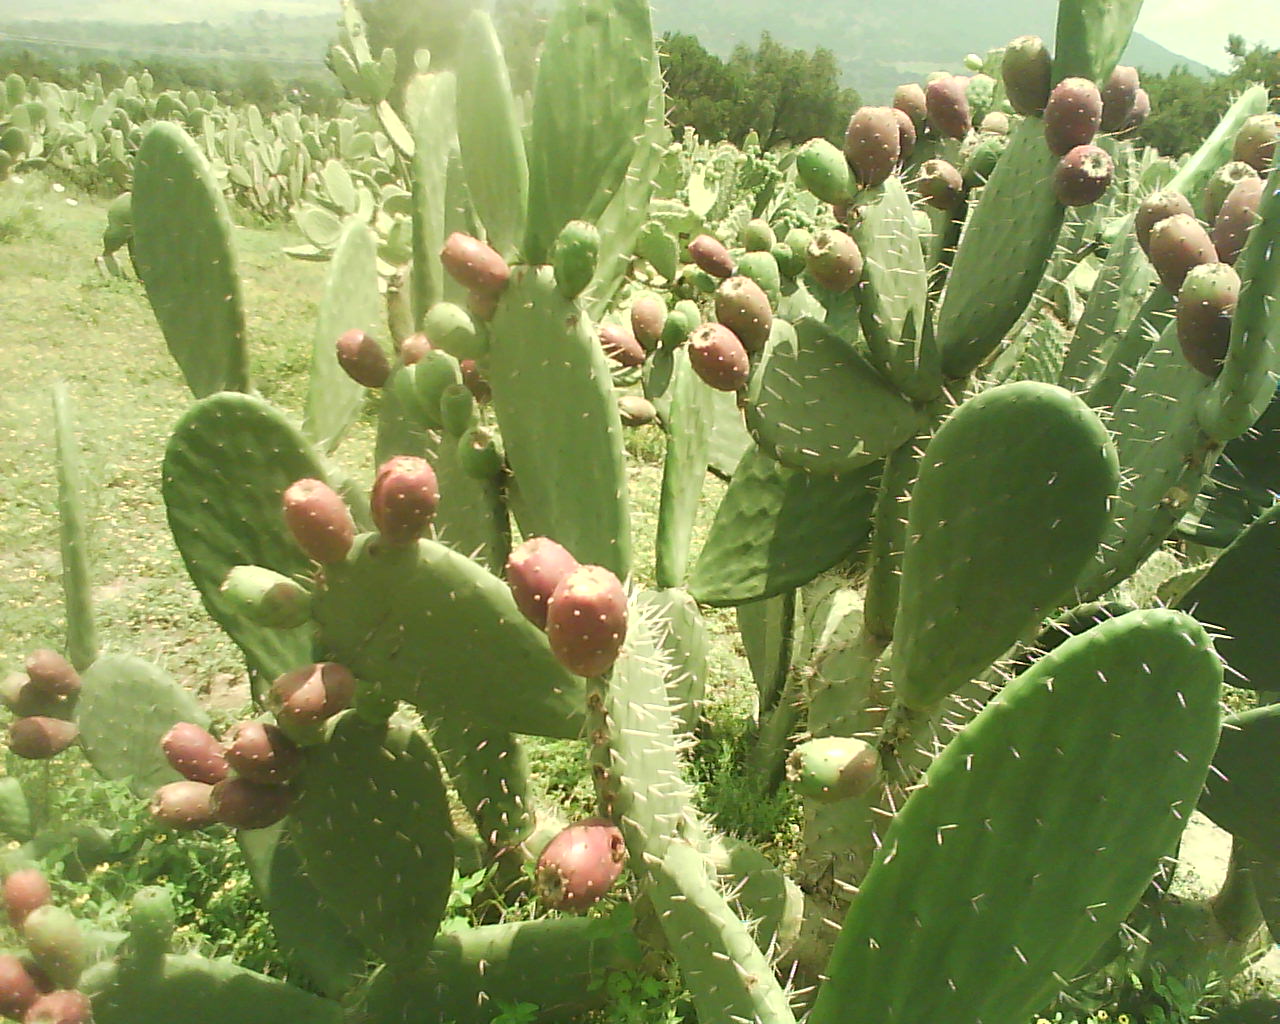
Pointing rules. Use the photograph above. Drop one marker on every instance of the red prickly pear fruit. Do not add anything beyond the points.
(587, 620)
(1256, 141)
(24, 891)
(910, 99)
(940, 184)
(743, 307)
(580, 865)
(24, 699)
(66, 1006)
(57, 943)
(307, 697)
(648, 318)
(261, 752)
(719, 357)
(833, 768)
(243, 803)
(405, 498)
(319, 521)
(38, 737)
(636, 411)
(363, 359)
(18, 990)
(947, 102)
(1118, 97)
(534, 570)
(872, 145)
(834, 260)
(183, 805)
(906, 133)
(621, 345)
(1238, 215)
(1072, 116)
(711, 256)
(1205, 306)
(1027, 70)
(474, 265)
(475, 381)
(1082, 176)
(1155, 208)
(194, 753)
(414, 347)
(1177, 244)
(1224, 179)
(50, 673)
(1141, 109)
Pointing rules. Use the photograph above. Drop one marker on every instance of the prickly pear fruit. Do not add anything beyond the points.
(692, 281)
(452, 328)
(573, 257)
(711, 256)
(50, 673)
(680, 323)
(834, 260)
(66, 1006)
(414, 347)
(305, 698)
(475, 380)
(474, 265)
(996, 122)
(824, 171)
(24, 699)
(39, 737)
(183, 805)
(478, 454)
(534, 570)
(1177, 244)
(1206, 303)
(481, 306)
(910, 99)
(621, 345)
(1237, 216)
(939, 184)
(580, 865)
(261, 752)
(152, 919)
(267, 597)
(24, 891)
(242, 803)
(1082, 176)
(719, 357)
(1155, 208)
(980, 159)
(981, 93)
(587, 620)
(1027, 70)
(906, 133)
(871, 144)
(1118, 97)
(743, 307)
(832, 768)
(319, 521)
(18, 989)
(194, 753)
(1256, 141)
(457, 409)
(56, 943)
(947, 102)
(1137, 114)
(404, 500)
(363, 359)
(433, 376)
(1072, 115)
(648, 317)
(636, 411)
(757, 236)
(763, 269)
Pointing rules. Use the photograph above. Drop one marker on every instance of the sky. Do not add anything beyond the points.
(1199, 28)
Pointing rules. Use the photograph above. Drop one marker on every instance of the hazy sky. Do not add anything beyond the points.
(1199, 28)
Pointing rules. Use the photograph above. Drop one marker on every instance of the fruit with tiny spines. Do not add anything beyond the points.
(1219, 186)
(1118, 97)
(319, 521)
(474, 379)
(871, 144)
(620, 345)
(680, 323)
(56, 943)
(1177, 244)
(363, 359)
(452, 328)
(833, 768)
(763, 269)
(1072, 116)
(758, 236)
(24, 699)
(457, 409)
(573, 257)
(414, 347)
(1138, 114)
(981, 93)
(18, 990)
(50, 673)
(404, 499)
(194, 753)
(1156, 207)
(718, 356)
(834, 260)
(939, 184)
(1027, 70)
(433, 376)
(183, 805)
(266, 597)
(947, 103)
(710, 256)
(25, 890)
(1206, 303)
(474, 265)
(743, 307)
(580, 865)
(1255, 142)
(648, 317)
(790, 263)
(587, 620)
(1083, 176)
(65, 1006)
(636, 411)
(39, 737)
(910, 99)
(303, 699)
(534, 570)
(996, 122)
(152, 919)
(906, 134)
(261, 752)
(981, 158)
(1236, 219)
(823, 170)
(245, 804)
(479, 455)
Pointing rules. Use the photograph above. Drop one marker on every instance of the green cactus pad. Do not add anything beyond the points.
(975, 906)
(768, 628)
(1242, 793)
(430, 105)
(1091, 36)
(769, 901)
(1009, 506)
(685, 642)
(472, 516)
(77, 585)
(566, 455)
(126, 706)
(689, 422)
(152, 919)
(777, 528)
(228, 463)
(433, 628)
(183, 252)
(490, 772)
(15, 812)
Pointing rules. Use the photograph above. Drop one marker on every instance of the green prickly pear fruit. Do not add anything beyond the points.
(1256, 141)
(1155, 208)
(39, 737)
(242, 803)
(798, 240)
(478, 454)
(743, 307)
(152, 919)
(25, 890)
(1224, 179)
(910, 99)
(319, 521)
(693, 281)
(25, 700)
(474, 265)
(718, 356)
(636, 411)
(620, 345)
(194, 753)
(834, 260)
(939, 184)
(457, 409)
(1177, 244)
(587, 620)
(906, 133)
(1236, 219)
(871, 144)
(307, 697)
(183, 805)
(56, 943)
(763, 269)
(266, 597)
(680, 323)
(1082, 176)
(65, 1006)
(648, 317)
(534, 570)
(711, 256)
(363, 359)
(981, 157)
(1118, 97)
(414, 347)
(996, 122)
(50, 673)
(1027, 70)
(1072, 116)
(981, 93)
(404, 499)
(947, 102)
(833, 768)
(475, 380)
(580, 865)
(452, 328)
(573, 257)
(18, 990)
(432, 377)
(790, 262)
(823, 170)
(261, 752)
(758, 236)
(1206, 303)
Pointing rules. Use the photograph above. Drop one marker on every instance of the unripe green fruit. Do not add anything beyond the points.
(457, 409)
(833, 768)
(266, 597)
(762, 268)
(152, 919)
(680, 324)
(452, 328)
(1027, 70)
(823, 170)
(56, 943)
(433, 375)
(573, 258)
(479, 456)
(758, 236)
(981, 157)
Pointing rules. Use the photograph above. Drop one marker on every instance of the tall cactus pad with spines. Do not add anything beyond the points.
(684, 469)
(77, 587)
(490, 772)
(1009, 506)
(1091, 36)
(975, 907)
(430, 102)
(183, 251)
(1241, 793)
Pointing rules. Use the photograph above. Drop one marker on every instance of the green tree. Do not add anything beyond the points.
(702, 93)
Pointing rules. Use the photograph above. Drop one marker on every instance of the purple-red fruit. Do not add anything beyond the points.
(636, 411)
(580, 864)
(711, 256)
(474, 265)
(872, 144)
(24, 891)
(1082, 176)
(363, 359)
(1027, 70)
(1155, 208)
(1177, 244)
(947, 102)
(1205, 306)
(621, 345)
(648, 318)
(939, 184)
(1118, 97)
(1220, 185)
(1072, 116)
(482, 305)
(587, 620)
(906, 133)
(1140, 111)
(475, 381)
(743, 307)
(414, 347)
(194, 753)
(50, 673)
(910, 100)
(1236, 218)
(66, 1006)
(834, 260)
(18, 990)
(243, 803)
(261, 752)
(37, 738)
(718, 356)
(319, 521)
(405, 498)
(309, 696)
(534, 570)
(1256, 141)
(183, 805)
